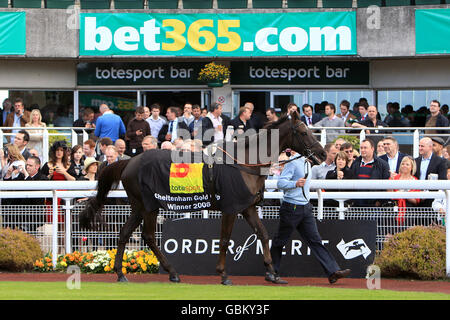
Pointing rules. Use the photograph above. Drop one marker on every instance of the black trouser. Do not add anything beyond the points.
(300, 217)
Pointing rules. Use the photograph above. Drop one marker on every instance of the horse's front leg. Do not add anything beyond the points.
(148, 234)
(225, 234)
(251, 215)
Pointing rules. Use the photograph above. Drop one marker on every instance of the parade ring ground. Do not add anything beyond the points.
(53, 286)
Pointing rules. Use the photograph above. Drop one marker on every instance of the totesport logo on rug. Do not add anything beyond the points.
(186, 178)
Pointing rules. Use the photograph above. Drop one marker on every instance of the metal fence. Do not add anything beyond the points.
(55, 224)
(37, 221)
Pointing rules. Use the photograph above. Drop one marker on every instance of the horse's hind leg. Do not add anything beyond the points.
(148, 234)
(125, 233)
(225, 234)
(251, 215)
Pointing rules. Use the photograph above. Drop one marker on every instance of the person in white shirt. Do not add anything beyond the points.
(320, 171)
(155, 121)
(331, 120)
(345, 114)
(393, 156)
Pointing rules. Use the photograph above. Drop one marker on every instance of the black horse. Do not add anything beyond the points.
(292, 133)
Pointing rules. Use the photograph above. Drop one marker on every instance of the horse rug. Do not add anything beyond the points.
(191, 186)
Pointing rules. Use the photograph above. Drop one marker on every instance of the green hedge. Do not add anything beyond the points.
(418, 252)
(18, 250)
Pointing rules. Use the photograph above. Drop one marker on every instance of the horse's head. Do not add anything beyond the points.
(294, 134)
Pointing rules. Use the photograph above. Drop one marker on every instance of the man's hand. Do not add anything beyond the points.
(300, 182)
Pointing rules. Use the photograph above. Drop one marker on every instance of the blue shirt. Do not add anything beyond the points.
(155, 125)
(293, 171)
(109, 125)
(424, 167)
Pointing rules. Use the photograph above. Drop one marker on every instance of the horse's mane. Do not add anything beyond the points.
(271, 125)
(281, 120)
(276, 124)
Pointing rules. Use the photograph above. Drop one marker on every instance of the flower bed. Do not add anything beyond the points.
(143, 261)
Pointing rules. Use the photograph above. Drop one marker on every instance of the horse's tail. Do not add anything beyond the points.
(91, 217)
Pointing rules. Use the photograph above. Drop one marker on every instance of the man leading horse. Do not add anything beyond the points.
(290, 133)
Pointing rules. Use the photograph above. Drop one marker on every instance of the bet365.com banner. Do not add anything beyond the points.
(12, 33)
(216, 35)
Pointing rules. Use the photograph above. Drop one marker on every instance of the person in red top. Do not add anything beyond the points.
(58, 168)
(406, 172)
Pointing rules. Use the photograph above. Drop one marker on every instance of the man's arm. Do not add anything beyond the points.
(318, 123)
(442, 170)
(285, 180)
(162, 133)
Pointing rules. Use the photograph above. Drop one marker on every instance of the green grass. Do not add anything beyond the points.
(165, 291)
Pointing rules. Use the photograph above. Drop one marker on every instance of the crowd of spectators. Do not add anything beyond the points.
(110, 140)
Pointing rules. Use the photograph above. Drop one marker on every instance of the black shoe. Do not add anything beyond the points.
(338, 275)
(274, 278)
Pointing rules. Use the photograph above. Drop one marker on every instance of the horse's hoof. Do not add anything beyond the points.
(122, 278)
(227, 282)
(174, 278)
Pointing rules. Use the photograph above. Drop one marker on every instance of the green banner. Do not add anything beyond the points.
(300, 73)
(139, 73)
(218, 35)
(114, 103)
(12, 33)
(432, 31)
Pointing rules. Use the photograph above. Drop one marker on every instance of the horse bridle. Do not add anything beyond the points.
(307, 149)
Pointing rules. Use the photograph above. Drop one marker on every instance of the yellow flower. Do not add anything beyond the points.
(124, 270)
(214, 71)
(124, 264)
(63, 263)
(144, 267)
(107, 269)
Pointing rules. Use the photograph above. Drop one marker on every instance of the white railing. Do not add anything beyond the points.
(404, 135)
(67, 132)
(68, 190)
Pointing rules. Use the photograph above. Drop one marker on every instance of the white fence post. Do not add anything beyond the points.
(341, 209)
(74, 138)
(85, 136)
(55, 229)
(447, 232)
(319, 205)
(323, 137)
(362, 136)
(45, 146)
(68, 222)
(416, 143)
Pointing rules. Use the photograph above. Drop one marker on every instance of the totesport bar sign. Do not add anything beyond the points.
(217, 35)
